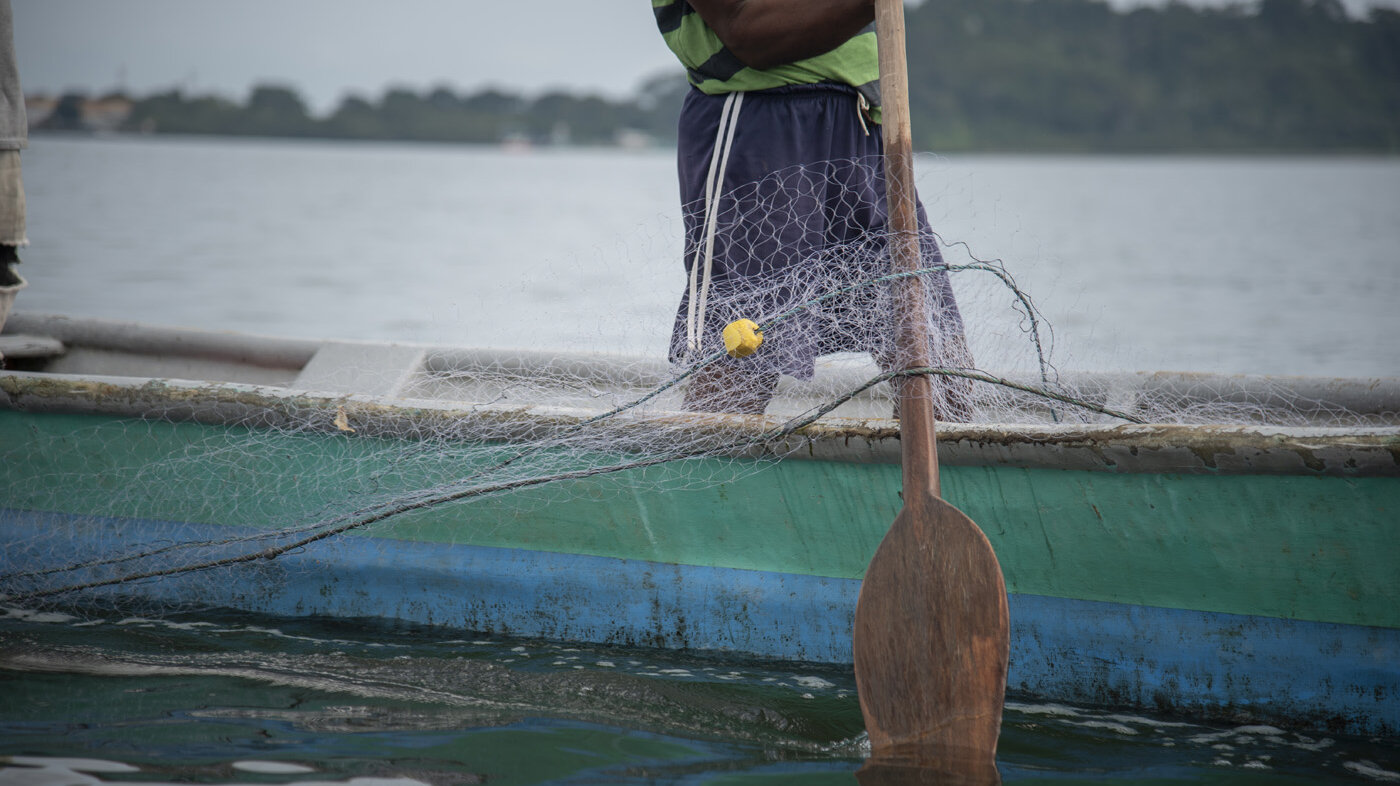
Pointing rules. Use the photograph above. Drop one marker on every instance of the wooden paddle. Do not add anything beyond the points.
(931, 629)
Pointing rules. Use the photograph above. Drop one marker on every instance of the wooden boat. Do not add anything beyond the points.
(1242, 572)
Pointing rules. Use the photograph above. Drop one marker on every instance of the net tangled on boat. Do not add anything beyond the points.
(222, 479)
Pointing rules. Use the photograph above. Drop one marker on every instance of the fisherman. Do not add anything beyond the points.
(14, 136)
(780, 159)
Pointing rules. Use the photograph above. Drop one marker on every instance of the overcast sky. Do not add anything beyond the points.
(326, 48)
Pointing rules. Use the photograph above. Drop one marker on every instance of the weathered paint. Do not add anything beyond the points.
(1307, 547)
(1222, 666)
(1221, 571)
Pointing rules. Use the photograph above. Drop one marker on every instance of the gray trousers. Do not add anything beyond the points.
(11, 200)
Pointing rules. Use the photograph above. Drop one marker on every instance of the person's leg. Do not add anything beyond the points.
(728, 386)
(948, 349)
(947, 339)
(11, 216)
(858, 197)
(952, 396)
(9, 256)
(747, 234)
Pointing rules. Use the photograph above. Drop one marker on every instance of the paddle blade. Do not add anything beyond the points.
(932, 638)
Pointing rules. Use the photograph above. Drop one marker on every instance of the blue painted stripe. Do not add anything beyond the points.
(1344, 678)
(1204, 664)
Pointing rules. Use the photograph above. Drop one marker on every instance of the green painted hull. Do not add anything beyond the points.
(1314, 547)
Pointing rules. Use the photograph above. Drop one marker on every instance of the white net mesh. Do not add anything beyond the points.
(504, 434)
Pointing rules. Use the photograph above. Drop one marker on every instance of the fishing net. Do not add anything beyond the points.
(196, 485)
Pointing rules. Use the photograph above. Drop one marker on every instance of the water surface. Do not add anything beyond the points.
(1226, 264)
(228, 698)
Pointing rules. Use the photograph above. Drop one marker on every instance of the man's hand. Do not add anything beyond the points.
(768, 33)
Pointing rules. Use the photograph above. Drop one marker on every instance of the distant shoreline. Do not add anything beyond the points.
(1292, 77)
(667, 146)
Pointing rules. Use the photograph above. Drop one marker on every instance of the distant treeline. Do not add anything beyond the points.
(438, 115)
(1033, 75)
(1075, 75)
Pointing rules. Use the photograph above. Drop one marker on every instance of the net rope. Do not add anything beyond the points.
(536, 433)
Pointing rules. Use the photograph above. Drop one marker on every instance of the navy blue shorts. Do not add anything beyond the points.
(801, 212)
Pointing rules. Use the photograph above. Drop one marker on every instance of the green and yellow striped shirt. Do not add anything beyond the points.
(713, 69)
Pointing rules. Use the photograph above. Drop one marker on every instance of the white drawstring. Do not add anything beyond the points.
(704, 253)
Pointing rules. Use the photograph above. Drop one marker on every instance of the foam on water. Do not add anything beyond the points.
(34, 615)
(272, 767)
(1369, 769)
(281, 699)
(59, 771)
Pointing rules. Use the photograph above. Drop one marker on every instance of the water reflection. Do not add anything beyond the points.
(53, 771)
(216, 698)
(936, 770)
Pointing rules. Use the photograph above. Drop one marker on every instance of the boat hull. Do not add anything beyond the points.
(1267, 595)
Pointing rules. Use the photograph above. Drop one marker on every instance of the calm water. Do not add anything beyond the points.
(1237, 265)
(232, 699)
(1265, 265)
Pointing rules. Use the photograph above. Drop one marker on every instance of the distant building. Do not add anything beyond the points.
(38, 108)
(633, 139)
(561, 134)
(107, 113)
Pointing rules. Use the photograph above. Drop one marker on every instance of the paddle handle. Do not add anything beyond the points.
(917, 432)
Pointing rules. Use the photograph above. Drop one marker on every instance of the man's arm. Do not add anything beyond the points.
(768, 33)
